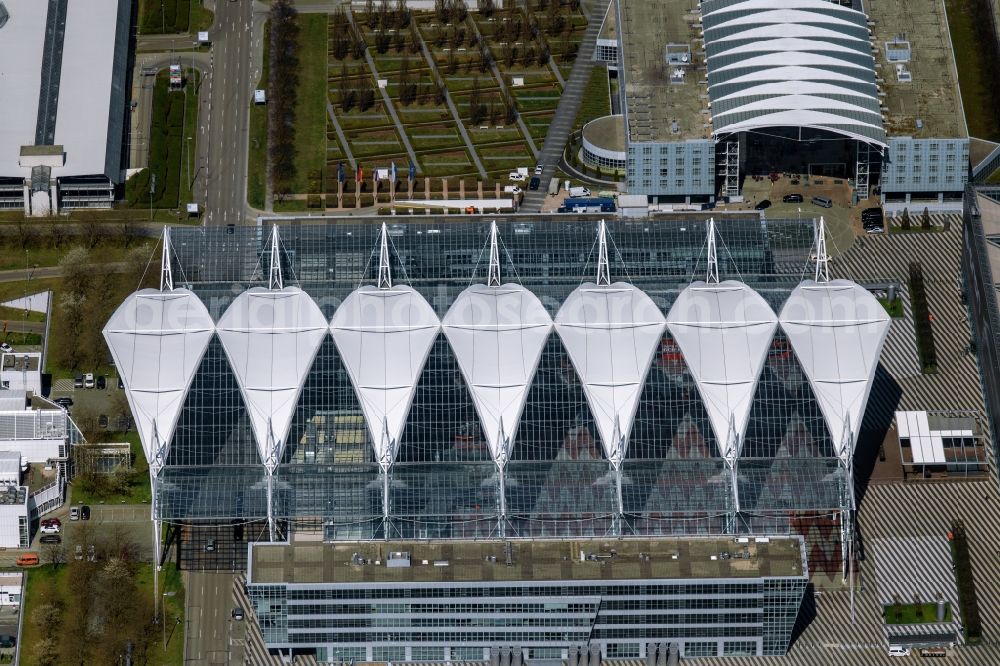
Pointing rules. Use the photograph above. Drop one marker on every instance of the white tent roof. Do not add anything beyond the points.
(611, 333)
(157, 339)
(384, 337)
(837, 329)
(271, 338)
(724, 331)
(497, 334)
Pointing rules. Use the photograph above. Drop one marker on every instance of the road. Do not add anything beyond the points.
(212, 636)
(235, 68)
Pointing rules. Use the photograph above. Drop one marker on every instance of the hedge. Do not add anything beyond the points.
(966, 585)
(922, 319)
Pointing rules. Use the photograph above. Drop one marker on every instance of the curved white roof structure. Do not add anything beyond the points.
(764, 55)
(837, 329)
(611, 332)
(158, 339)
(497, 333)
(384, 335)
(271, 337)
(724, 329)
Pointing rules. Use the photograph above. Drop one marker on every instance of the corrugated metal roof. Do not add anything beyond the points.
(794, 63)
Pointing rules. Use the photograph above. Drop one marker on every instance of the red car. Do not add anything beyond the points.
(52, 521)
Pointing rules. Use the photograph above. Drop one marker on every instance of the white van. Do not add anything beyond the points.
(516, 176)
(822, 202)
(512, 189)
(898, 651)
(579, 192)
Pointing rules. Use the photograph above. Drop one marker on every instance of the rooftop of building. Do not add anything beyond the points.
(20, 361)
(932, 96)
(664, 107)
(607, 132)
(653, 103)
(83, 84)
(538, 560)
(609, 29)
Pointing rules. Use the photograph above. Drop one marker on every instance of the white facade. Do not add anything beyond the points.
(14, 521)
(39, 435)
(10, 588)
(21, 371)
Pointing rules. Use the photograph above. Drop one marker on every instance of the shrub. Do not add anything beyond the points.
(922, 319)
(966, 586)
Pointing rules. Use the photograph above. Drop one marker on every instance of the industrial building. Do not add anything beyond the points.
(359, 383)
(63, 70)
(862, 95)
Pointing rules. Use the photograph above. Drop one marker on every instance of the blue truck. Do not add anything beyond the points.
(588, 205)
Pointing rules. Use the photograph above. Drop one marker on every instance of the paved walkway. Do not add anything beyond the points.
(503, 88)
(454, 110)
(341, 136)
(390, 107)
(569, 104)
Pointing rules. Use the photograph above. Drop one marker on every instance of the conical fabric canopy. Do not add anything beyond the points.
(611, 333)
(384, 337)
(271, 338)
(158, 339)
(837, 330)
(724, 331)
(497, 334)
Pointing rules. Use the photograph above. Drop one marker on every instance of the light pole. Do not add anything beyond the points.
(163, 609)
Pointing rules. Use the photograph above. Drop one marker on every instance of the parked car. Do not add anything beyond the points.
(792, 198)
(6, 348)
(516, 176)
(538, 169)
(78, 553)
(88, 380)
(823, 202)
(237, 613)
(121, 384)
(50, 529)
(74, 513)
(50, 538)
(102, 421)
(7, 641)
(534, 183)
(102, 382)
(52, 521)
(210, 546)
(64, 401)
(78, 381)
(84, 512)
(27, 560)
(91, 553)
(763, 205)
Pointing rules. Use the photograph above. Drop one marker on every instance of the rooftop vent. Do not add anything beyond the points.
(678, 55)
(675, 128)
(398, 559)
(903, 75)
(677, 75)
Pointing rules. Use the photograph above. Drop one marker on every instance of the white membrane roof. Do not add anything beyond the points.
(21, 42)
(271, 338)
(749, 43)
(611, 333)
(158, 339)
(497, 335)
(384, 337)
(724, 331)
(837, 330)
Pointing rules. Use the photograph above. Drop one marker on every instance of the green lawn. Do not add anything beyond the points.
(172, 16)
(79, 590)
(310, 111)
(974, 68)
(895, 308)
(86, 490)
(908, 613)
(174, 117)
(257, 154)
(596, 102)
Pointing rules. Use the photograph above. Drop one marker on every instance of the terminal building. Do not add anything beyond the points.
(380, 385)
(63, 71)
(864, 93)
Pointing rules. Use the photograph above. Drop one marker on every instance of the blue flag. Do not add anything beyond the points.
(340, 173)
(413, 171)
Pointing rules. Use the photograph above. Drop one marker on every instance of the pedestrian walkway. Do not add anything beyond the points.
(341, 136)
(451, 107)
(569, 105)
(389, 106)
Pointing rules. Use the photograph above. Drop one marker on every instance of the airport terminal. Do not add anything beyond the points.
(392, 386)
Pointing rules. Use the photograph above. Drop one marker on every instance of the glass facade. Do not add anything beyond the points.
(746, 616)
(444, 482)
(671, 168)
